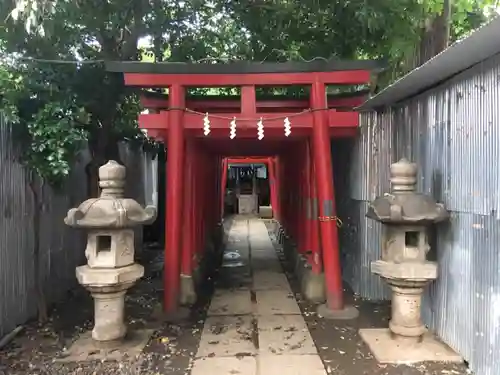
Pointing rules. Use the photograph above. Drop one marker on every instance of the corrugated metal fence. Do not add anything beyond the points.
(453, 133)
(61, 248)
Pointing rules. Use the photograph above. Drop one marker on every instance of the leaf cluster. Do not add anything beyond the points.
(61, 105)
(46, 121)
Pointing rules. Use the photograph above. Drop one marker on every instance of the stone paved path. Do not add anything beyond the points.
(254, 325)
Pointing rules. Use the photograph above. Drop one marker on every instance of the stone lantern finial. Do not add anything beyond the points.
(112, 179)
(110, 270)
(403, 176)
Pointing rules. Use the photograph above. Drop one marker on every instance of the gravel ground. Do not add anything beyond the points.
(341, 348)
(36, 349)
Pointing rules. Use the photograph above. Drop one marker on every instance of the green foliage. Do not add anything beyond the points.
(64, 104)
(45, 123)
(389, 29)
(54, 141)
(11, 87)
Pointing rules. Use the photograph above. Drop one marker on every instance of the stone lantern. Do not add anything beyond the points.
(110, 270)
(406, 216)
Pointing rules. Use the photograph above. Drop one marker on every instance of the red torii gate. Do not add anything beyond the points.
(200, 134)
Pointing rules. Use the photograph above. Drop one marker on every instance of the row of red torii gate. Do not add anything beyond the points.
(291, 136)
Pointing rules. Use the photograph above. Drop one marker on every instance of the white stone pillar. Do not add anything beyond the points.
(109, 310)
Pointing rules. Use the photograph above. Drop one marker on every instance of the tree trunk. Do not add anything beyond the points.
(103, 147)
(39, 283)
(435, 34)
(445, 27)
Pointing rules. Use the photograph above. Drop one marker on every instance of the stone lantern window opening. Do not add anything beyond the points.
(412, 239)
(103, 243)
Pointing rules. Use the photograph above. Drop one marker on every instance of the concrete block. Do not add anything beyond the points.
(266, 212)
(313, 286)
(188, 295)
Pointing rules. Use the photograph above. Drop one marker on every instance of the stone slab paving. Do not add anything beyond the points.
(225, 365)
(227, 336)
(254, 327)
(268, 280)
(290, 365)
(231, 302)
(271, 302)
(284, 334)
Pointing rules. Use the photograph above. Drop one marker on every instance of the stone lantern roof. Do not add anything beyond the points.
(111, 209)
(404, 205)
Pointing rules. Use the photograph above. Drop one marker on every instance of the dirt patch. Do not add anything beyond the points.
(341, 348)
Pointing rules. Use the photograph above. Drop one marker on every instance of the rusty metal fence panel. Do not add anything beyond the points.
(61, 248)
(453, 133)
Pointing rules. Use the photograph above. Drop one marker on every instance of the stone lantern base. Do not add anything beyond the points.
(406, 340)
(388, 349)
(85, 348)
(109, 339)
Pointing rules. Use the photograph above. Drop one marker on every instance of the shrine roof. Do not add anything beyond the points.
(318, 65)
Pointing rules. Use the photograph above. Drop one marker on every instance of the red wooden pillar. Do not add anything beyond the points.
(326, 204)
(294, 203)
(218, 189)
(188, 215)
(307, 202)
(195, 205)
(296, 196)
(272, 188)
(313, 223)
(223, 185)
(199, 204)
(285, 194)
(204, 200)
(214, 204)
(291, 183)
(300, 199)
(279, 190)
(175, 158)
(302, 245)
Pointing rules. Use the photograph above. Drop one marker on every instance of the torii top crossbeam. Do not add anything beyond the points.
(329, 72)
(251, 113)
